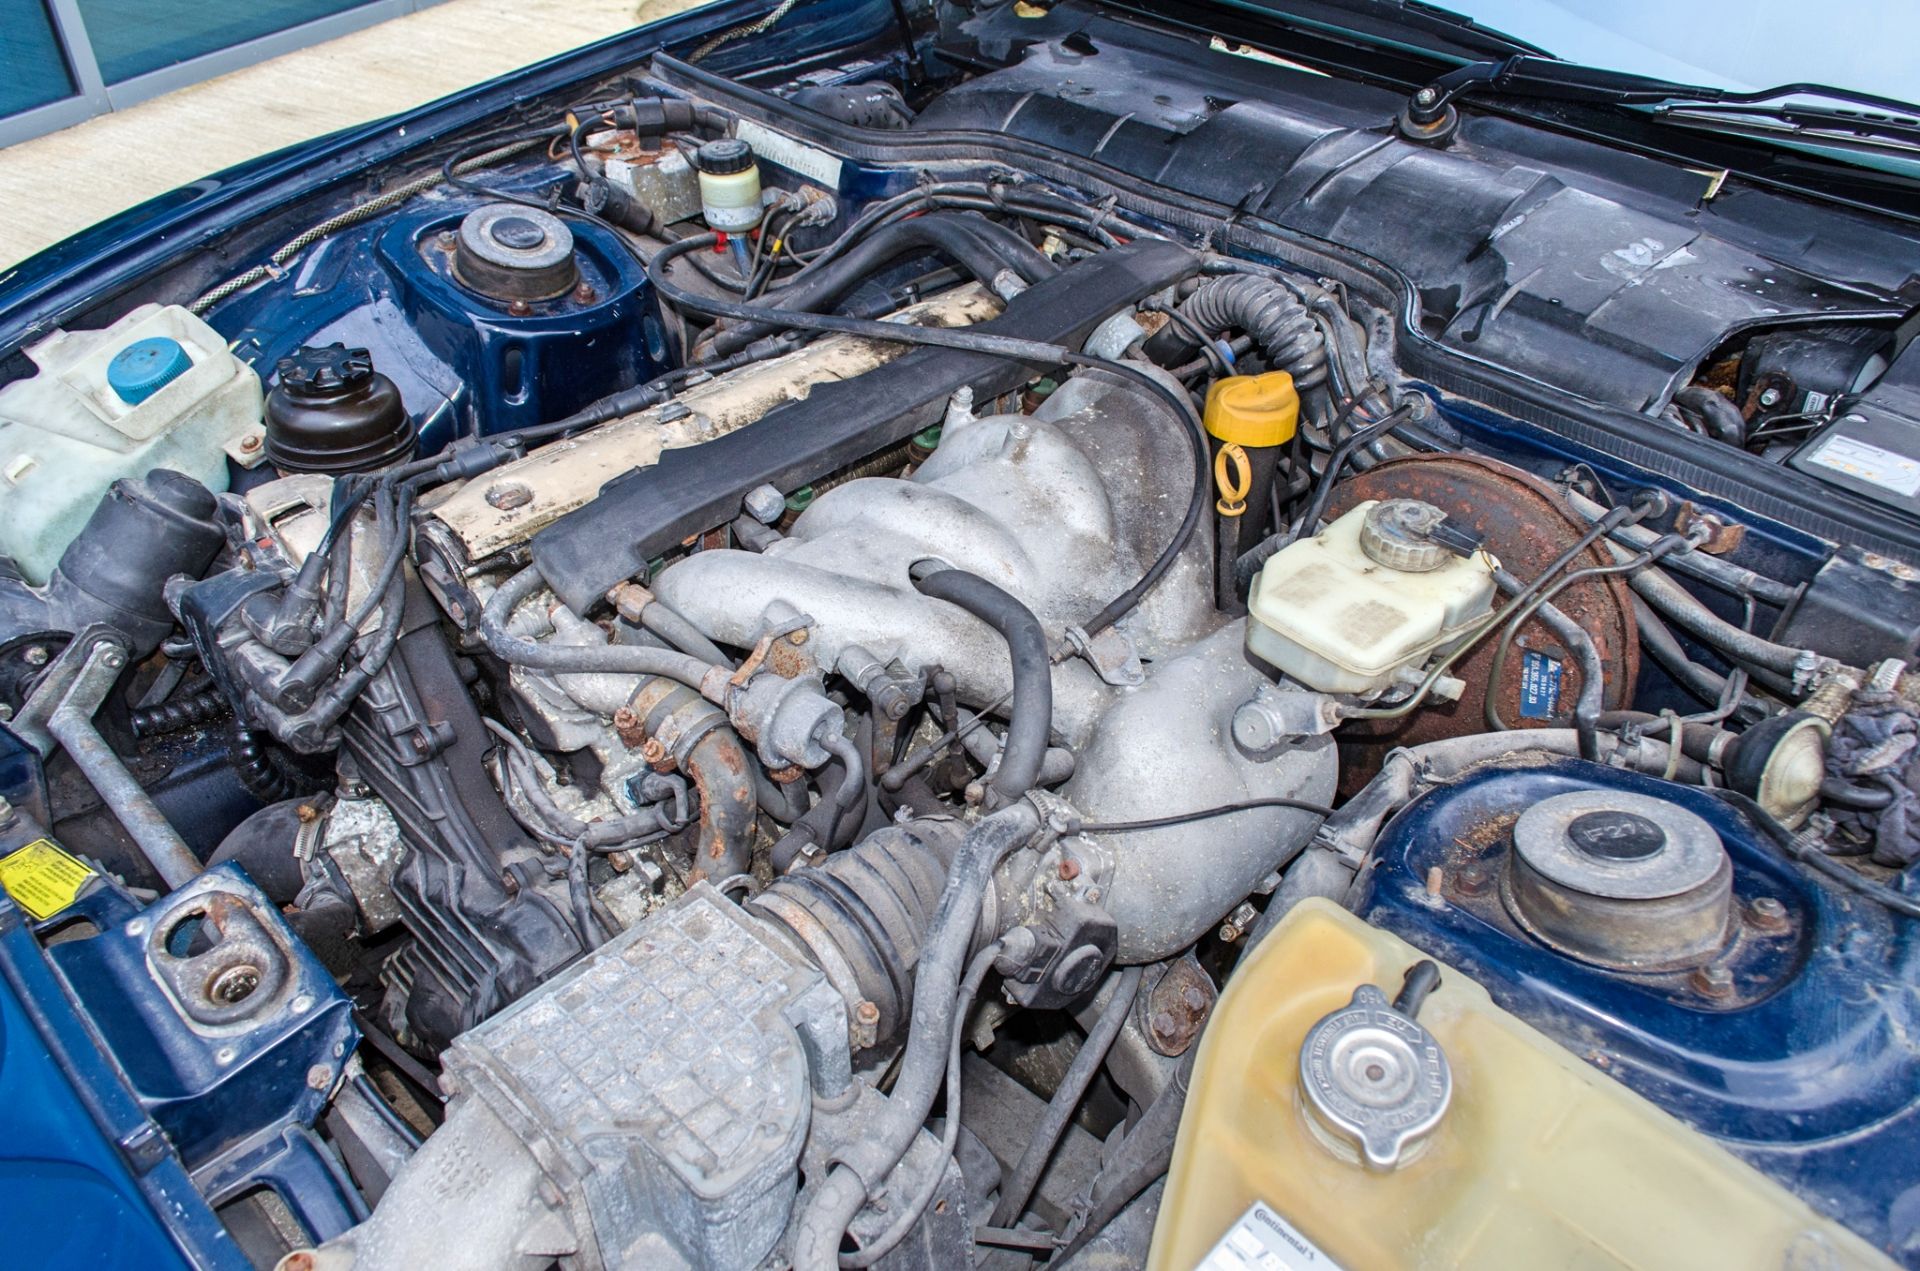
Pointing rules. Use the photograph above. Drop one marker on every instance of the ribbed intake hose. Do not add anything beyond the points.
(1268, 311)
(865, 1165)
(861, 914)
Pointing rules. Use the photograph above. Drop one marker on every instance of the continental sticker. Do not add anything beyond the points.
(1264, 1241)
(42, 879)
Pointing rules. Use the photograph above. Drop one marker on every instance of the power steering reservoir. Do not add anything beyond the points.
(729, 185)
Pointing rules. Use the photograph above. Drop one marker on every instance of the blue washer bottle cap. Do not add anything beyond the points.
(145, 367)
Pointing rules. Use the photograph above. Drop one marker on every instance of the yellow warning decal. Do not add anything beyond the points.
(42, 879)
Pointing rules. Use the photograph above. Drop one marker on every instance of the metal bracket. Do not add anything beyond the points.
(1111, 655)
(60, 712)
(78, 680)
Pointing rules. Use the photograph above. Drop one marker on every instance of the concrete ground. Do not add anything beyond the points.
(57, 185)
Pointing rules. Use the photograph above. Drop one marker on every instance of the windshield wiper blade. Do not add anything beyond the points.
(1881, 129)
(1857, 121)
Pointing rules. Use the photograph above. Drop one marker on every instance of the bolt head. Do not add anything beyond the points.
(1426, 97)
(319, 1077)
(1255, 728)
(1770, 397)
(34, 655)
(1473, 880)
(507, 495)
(1768, 915)
(113, 659)
(1714, 981)
(765, 504)
(250, 444)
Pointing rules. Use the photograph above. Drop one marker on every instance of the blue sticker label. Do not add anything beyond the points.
(1539, 686)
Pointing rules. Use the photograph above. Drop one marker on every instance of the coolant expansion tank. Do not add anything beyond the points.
(1538, 1160)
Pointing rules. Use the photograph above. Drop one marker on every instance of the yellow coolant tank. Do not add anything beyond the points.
(1538, 1161)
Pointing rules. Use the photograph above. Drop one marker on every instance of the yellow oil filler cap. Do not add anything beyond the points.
(1253, 410)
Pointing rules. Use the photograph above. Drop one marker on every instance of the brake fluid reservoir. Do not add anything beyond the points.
(729, 185)
(1375, 591)
(1319, 1132)
(157, 389)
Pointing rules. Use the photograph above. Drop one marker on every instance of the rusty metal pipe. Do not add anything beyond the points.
(721, 772)
(695, 736)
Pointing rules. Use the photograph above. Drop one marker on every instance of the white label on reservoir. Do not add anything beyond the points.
(1870, 463)
(795, 156)
(1264, 1241)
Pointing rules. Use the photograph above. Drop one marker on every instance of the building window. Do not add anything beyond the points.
(33, 69)
(136, 37)
(64, 60)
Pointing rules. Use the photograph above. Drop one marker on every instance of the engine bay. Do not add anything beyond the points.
(1039, 645)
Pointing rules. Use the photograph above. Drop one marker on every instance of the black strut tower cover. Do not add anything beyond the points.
(648, 511)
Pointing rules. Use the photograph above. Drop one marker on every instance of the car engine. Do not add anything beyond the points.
(854, 663)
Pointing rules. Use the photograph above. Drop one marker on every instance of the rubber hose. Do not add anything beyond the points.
(1269, 312)
(1142, 1157)
(191, 711)
(1030, 718)
(264, 771)
(666, 623)
(785, 802)
(1679, 607)
(866, 1163)
(941, 232)
(1018, 1188)
(1722, 418)
(617, 659)
(1656, 638)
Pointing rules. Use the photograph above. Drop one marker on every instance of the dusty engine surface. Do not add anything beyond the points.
(782, 679)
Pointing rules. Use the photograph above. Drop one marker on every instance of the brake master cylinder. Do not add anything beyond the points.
(1377, 591)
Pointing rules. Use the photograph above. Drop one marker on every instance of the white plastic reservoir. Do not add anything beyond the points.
(176, 398)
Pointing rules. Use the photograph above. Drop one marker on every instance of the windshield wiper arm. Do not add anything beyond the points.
(1430, 114)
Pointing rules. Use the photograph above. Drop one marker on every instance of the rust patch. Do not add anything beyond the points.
(1178, 1007)
(1725, 537)
(627, 725)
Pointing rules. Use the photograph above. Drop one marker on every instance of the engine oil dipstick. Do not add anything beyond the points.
(1233, 474)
